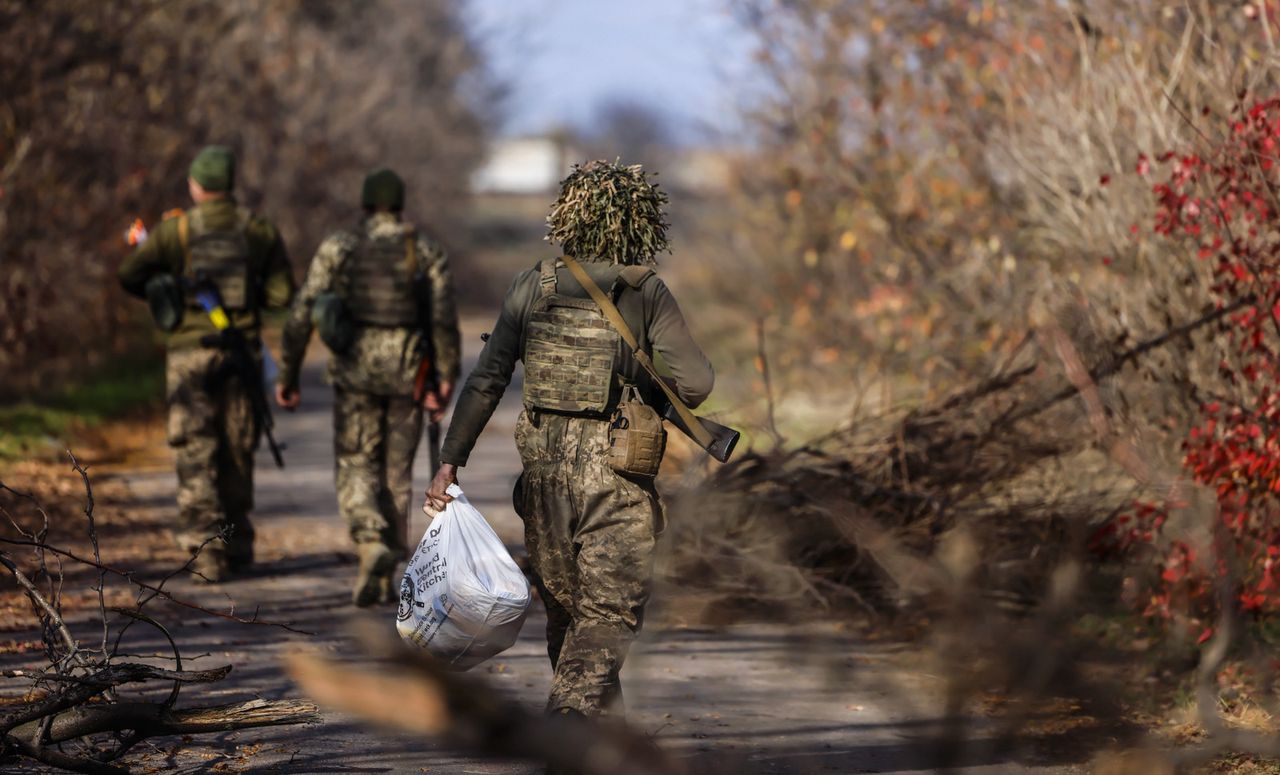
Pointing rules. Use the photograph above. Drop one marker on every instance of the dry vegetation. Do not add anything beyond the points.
(93, 700)
(947, 218)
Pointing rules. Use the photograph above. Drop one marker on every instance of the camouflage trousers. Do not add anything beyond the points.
(213, 434)
(590, 535)
(375, 439)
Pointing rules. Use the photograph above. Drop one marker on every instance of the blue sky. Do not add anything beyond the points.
(562, 58)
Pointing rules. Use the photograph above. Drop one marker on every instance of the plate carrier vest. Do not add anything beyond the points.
(569, 351)
(379, 276)
(220, 255)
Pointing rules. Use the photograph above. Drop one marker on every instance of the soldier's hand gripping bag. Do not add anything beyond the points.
(462, 597)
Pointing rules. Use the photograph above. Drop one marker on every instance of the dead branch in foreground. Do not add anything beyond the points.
(75, 717)
(463, 712)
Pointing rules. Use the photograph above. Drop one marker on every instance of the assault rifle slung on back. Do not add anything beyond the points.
(232, 339)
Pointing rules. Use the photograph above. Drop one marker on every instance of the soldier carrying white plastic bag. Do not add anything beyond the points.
(462, 597)
(590, 437)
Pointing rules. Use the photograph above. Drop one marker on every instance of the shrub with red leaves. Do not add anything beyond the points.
(1225, 203)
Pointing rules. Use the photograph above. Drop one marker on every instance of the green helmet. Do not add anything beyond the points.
(214, 168)
(383, 188)
(608, 211)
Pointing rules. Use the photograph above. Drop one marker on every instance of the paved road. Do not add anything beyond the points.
(745, 699)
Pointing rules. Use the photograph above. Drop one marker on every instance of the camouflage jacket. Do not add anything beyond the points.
(162, 254)
(380, 360)
(651, 313)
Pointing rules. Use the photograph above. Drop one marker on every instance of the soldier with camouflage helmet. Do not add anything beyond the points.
(394, 294)
(211, 428)
(589, 530)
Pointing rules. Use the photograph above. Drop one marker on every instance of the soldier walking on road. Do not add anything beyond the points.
(589, 528)
(212, 425)
(382, 296)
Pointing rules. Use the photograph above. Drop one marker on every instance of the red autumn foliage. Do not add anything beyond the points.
(1226, 205)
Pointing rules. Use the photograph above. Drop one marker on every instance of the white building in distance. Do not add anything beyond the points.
(522, 165)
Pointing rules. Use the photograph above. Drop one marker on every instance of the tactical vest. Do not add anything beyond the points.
(221, 256)
(569, 351)
(379, 276)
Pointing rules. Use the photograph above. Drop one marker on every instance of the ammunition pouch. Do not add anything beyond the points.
(166, 302)
(332, 320)
(637, 438)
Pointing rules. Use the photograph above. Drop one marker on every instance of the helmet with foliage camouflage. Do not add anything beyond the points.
(608, 211)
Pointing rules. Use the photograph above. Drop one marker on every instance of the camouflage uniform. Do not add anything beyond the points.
(211, 427)
(377, 424)
(589, 531)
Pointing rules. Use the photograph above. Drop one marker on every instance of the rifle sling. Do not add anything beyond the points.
(184, 238)
(690, 420)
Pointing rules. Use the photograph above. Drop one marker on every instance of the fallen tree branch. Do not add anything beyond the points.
(464, 712)
(74, 718)
(148, 719)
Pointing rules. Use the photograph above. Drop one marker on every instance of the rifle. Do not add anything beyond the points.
(723, 438)
(232, 340)
(427, 380)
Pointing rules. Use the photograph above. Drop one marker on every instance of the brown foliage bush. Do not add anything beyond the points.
(950, 246)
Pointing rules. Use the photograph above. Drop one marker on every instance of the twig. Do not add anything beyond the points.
(51, 615)
(93, 539)
(762, 359)
(1114, 366)
(129, 576)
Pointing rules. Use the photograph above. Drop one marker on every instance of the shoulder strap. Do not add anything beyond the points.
(547, 276)
(184, 239)
(615, 318)
(410, 251)
(635, 275)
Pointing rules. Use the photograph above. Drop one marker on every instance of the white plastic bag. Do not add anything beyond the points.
(462, 597)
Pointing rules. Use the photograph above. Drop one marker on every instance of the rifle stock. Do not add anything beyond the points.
(723, 438)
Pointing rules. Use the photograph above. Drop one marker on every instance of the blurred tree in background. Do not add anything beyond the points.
(950, 227)
(106, 102)
(923, 178)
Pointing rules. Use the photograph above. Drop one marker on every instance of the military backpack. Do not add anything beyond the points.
(378, 284)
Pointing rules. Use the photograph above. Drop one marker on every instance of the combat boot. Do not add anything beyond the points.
(240, 553)
(240, 558)
(210, 566)
(376, 563)
(389, 588)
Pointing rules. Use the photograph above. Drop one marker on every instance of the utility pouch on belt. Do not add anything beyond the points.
(333, 322)
(637, 438)
(164, 299)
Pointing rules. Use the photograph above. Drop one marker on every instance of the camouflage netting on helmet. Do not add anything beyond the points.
(608, 211)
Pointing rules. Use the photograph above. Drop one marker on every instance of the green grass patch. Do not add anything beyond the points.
(127, 385)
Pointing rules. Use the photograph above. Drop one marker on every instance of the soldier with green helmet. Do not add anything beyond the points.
(590, 528)
(381, 295)
(212, 426)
